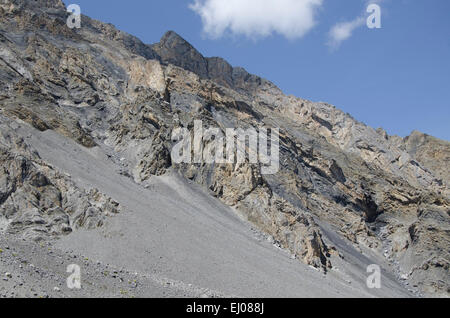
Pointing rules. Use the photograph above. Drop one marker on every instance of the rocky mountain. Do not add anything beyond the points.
(342, 188)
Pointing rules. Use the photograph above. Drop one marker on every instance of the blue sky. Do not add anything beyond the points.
(396, 77)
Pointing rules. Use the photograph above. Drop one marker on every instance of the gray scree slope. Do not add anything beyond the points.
(86, 177)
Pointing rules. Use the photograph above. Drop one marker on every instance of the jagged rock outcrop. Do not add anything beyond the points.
(102, 87)
(430, 152)
(37, 201)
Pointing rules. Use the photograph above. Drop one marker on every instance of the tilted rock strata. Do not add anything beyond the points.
(100, 86)
(37, 201)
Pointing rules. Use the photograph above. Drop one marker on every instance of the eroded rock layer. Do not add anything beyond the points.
(102, 87)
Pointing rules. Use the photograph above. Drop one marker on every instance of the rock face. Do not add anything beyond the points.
(38, 202)
(430, 152)
(102, 87)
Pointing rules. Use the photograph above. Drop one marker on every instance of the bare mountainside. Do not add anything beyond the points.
(87, 118)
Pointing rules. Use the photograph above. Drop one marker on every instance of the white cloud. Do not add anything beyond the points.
(257, 18)
(342, 31)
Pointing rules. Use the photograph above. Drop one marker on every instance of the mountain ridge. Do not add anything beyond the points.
(342, 186)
